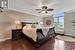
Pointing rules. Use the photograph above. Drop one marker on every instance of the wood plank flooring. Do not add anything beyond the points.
(53, 44)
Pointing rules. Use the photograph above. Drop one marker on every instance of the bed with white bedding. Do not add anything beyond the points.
(39, 34)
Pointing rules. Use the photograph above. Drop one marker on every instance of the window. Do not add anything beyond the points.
(59, 20)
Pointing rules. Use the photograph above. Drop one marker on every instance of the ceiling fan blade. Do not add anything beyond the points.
(40, 11)
(50, 9)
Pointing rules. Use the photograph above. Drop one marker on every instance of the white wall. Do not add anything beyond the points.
(5, 29)
(7, 19)
(68, 19)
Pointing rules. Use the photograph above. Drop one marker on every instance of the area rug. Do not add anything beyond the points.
(65, 38)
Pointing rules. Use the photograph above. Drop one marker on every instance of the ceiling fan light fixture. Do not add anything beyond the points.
(44, 9)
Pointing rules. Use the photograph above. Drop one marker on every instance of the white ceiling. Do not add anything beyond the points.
(29, 6)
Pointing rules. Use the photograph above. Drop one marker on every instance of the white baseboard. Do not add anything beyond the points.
(70, 35)
(4, 39)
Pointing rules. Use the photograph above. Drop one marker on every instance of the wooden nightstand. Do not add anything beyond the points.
(16, 34)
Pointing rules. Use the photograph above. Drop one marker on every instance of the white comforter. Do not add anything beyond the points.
(30, 32)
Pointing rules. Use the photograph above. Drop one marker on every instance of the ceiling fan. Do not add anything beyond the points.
(44, 9)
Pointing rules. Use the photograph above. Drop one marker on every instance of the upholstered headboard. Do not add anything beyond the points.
(48, 21)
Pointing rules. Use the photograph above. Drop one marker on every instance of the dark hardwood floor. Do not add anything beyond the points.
(53, 44)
